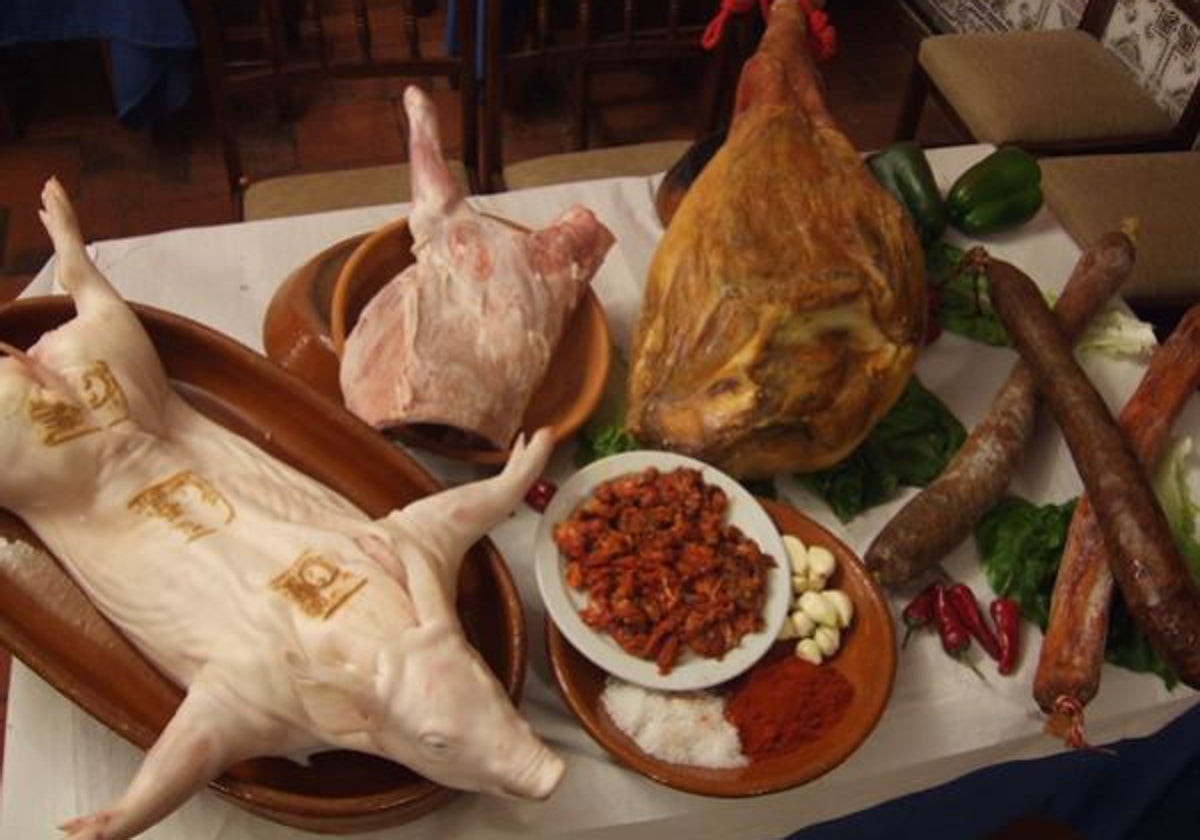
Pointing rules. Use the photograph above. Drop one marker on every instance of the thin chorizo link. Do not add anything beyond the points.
(942, 515)
(1158, 588)
(1068, 673)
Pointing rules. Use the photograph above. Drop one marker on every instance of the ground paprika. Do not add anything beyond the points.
(784, 702)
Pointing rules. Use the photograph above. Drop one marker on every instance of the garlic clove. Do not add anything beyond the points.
(828, 639)
(841, 604)
(808, 650)
(797, 554)
(818, 608)
(821, 561)
(803, 624)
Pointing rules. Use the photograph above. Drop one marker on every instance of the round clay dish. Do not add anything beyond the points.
(568, 394)
(867, 659)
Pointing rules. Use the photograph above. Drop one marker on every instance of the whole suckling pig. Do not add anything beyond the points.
(785, 304)
(294, 621)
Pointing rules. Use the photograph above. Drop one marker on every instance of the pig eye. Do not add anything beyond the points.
(435, 743)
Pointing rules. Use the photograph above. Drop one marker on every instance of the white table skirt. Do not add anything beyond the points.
(942, 720)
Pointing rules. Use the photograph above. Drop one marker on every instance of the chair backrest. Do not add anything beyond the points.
(1171, 23)
(277, 44)
(581, 39)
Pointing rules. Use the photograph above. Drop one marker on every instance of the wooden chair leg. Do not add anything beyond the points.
(913, 103)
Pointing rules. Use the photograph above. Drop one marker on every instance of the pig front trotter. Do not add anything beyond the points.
(87, 828)
(205, 735)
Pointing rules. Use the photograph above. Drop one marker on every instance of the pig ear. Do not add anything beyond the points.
(338, 696)
(337, 709)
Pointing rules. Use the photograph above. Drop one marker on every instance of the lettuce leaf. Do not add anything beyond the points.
(961, 300)
(910, 446)
(1115, 332)
(1021, 544)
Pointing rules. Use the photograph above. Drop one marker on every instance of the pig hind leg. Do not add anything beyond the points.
(106, 328)
(73, 268)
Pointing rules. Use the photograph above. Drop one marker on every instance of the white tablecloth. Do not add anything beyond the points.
(942, 720)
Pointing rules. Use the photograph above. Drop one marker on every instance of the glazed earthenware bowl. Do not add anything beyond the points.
(564, 400)
(46, 620)
(867, 659)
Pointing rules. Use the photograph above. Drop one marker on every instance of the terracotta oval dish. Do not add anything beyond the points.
(867, 659)
(566, 397)
(48, 622)
(564, 603)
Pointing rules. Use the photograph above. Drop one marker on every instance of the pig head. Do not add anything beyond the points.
(192, 541)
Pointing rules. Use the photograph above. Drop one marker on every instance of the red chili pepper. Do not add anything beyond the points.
(1007, 615)
(954, 634)
(919, 612)
(962, 600)
(540, 493)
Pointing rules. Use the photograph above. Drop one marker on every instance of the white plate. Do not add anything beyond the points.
(690, 670)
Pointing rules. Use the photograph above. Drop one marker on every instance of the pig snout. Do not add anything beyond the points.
(539, 778)
(450, 719)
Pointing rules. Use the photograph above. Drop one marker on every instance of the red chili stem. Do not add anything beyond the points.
(1007, 615)
(963, 602)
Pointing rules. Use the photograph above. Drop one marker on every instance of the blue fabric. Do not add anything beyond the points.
(153, 46)
(515, 13)
(1146, 788)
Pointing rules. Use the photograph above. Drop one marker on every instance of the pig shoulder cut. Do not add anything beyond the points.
(294, 621)
(464, 335)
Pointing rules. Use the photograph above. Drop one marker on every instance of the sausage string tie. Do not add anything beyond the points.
(1070, 710)
(822, 37)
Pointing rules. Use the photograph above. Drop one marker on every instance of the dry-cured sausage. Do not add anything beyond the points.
(1068, 673)
(942, 515)
(1158, 588)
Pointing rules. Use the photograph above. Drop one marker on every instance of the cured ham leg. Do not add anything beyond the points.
(785, 305)
(463, 336)
(294, 621)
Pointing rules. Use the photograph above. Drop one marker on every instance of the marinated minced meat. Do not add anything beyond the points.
(662, 569)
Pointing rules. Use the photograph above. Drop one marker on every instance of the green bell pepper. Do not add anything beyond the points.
(903, 170)
(1000, 192)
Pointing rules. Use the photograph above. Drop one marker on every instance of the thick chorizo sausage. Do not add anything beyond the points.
(1068, 672)
(1157, 585)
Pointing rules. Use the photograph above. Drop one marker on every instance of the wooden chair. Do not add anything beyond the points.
(1051, 91)
(581, 40)
(289, 43)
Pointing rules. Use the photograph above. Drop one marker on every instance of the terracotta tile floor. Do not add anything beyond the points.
(127, 183)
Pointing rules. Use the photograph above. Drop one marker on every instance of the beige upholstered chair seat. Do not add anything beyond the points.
(613, 162)
(1092, 194)
(314, 192)
(1039, 86)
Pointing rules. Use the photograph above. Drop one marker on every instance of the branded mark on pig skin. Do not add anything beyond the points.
(103, 393)
(374, 660)
(59, 421)
(186, 502)
(317, 585)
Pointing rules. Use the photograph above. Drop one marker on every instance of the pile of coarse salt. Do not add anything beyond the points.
(679, 727)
